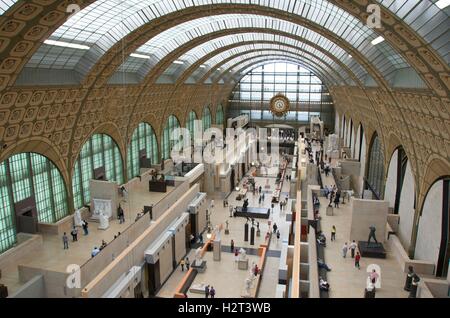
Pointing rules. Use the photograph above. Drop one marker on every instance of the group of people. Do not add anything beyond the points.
(210, 291)
(185, 263)
(354, 254)
(334, 195)
(74, 234)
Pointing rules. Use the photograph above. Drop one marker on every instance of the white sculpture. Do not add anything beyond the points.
(104, 222)
(198, 257)
(77, 218)
(242, 254)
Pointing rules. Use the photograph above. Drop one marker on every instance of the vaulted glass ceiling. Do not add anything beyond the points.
(213, 62)
(6, 4)
(105, 22)
(199, 52)
(239, 62)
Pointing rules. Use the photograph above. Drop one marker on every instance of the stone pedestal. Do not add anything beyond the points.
(201, 268)
(243, 264)
(217, 250)
(330, 211)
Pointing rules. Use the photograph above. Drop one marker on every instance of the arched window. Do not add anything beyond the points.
(167, 144)
(143, 138)
(192, 117)
(29, 175)
(206, 118)
(219, 115)
(99, 151)
(375, 177)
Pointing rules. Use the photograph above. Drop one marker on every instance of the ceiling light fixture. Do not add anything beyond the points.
(140, 56)
(178, 62)
(378, 40)
(66, 44)
(442, 4)
(202, 66)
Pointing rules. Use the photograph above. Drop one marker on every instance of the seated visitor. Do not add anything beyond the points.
(323, 284)
(95, 251)
(323, 265)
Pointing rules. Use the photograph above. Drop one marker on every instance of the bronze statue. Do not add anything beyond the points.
(372, 235)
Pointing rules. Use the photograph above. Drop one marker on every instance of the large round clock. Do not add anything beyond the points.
(279, 105)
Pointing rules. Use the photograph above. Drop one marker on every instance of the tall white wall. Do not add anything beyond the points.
(363, 162)
(406, 208)
(337, 123)
(430, 225)
(391, 182)
(357, 142)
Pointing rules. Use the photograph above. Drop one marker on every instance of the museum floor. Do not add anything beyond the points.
(347, 281)
(224, 276)
(53, 257)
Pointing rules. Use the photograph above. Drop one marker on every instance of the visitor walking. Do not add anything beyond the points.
(231, 211)
(353, 247)
(85, 226)
(207, 291)
(374, 277)
(275, 228)
(65, 241)
(278, 235)
(212, 292)
(260, 189)
(121, 215)
(74, 234)
(345, 250)
(333, 233)
(232, 246)
(187, 263)
(236, 255)
(357, 259)
(182, 265)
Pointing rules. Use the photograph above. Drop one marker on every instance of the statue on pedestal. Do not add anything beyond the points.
(77, 218)
(414, 285)
(104, 222)
(409, 278)
(372, 235)
(242, 254)
(198, 257)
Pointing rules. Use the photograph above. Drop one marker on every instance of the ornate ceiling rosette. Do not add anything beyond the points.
(280, 105)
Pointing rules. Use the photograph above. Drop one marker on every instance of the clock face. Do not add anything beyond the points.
(279, 105)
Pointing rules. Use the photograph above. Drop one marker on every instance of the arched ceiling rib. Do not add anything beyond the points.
(243, 59)
(240, 69)
(414, 47)
(199, 53)
(245, 47)
(227, 64)
(382, 56)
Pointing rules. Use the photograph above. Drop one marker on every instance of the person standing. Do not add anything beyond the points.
(357, 259)
(278, 235)
(337, 199)
(236, 255)
(275, 228)
(353, 248)
(333, 233)
(345, 250)
(232, 246)
(212, 292)
(207, 291)
(85, 226)
(187, 263)
(65, 241)
(260, 189)
(74, 234)
(182, 265)
(374, 277)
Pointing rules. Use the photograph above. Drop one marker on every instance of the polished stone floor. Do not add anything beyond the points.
(347, 281)
(53, 257)
(227, 279)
